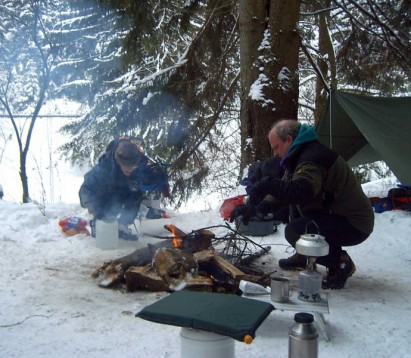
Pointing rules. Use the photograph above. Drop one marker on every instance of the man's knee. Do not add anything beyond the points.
(292, 234)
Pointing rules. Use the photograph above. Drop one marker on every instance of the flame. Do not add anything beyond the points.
(177, 238)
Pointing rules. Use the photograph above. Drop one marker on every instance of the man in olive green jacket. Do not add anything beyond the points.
(324, 198)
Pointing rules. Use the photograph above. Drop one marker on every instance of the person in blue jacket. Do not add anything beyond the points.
(116, 186)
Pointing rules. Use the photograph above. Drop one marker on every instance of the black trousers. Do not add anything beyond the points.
(336, 230)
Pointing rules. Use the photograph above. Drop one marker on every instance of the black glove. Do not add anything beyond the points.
(259, 190)
(243, 212)
(265, 207)
(239, 210)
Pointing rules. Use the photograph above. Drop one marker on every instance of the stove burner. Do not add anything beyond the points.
(310, 280)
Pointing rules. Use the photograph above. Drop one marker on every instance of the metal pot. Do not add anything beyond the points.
(312, 245)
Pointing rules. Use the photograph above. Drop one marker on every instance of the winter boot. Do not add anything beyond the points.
(125, 233)
(337, 277)
(295, 262)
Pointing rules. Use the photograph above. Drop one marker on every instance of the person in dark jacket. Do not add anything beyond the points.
(268, 167)
(115, 187)
(324, 198)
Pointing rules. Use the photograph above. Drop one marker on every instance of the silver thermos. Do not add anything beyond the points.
(303, 337)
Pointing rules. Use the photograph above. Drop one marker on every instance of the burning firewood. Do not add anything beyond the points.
(173, 263)
(112, 272)
(171, 270)
(184, 259)
(178, 235)
(195, 241)
(144, 278)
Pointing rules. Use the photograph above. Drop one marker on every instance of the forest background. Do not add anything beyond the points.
(199, 83)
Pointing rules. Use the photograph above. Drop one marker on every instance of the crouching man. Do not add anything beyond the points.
(115, 187)
(324, 198)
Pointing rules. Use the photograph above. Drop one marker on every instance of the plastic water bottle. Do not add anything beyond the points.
(303, 337)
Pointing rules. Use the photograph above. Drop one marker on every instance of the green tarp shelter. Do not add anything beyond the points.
(364, 129)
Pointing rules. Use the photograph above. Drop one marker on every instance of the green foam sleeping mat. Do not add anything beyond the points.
(220, 313)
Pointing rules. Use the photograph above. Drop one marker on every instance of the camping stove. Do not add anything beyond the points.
(310, 280)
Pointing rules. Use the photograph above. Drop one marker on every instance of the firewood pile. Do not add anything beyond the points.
(197, 261)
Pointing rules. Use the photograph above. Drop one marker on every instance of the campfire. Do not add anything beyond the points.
(177, 235)
(198, 260)
(196, 241)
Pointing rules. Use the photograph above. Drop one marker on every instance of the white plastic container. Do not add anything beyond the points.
(106, 235)
(202, 344)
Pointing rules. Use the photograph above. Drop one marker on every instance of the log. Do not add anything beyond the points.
(144, 278)
(196, 282)
(204, 255)
(233, 271)
(109, 274)
(177, 269)
(195, 241)
(112, 272)
(174, 263)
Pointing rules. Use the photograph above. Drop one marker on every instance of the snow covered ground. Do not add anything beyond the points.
(51, 306)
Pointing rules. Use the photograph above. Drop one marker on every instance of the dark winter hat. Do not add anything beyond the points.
(128, 154)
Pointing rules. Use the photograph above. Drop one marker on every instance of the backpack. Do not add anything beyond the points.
(396, 199)
(400, 197)
(381, 204)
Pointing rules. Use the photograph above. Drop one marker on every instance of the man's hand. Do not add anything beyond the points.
(243, 212)
(265, 207)
(239, 210)
(259, 190)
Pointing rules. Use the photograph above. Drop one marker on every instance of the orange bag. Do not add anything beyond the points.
(229, 204)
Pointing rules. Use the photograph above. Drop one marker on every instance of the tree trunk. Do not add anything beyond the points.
(252, 24)
(24, 180)
(285, 46)
(269, 54)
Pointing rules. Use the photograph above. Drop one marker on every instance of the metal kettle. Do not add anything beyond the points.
(312, 245)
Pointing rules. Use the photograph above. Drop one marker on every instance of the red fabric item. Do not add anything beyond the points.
(229, 204)
(73, 225)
